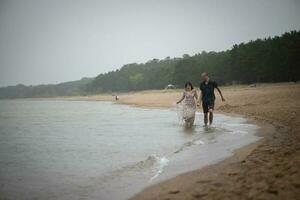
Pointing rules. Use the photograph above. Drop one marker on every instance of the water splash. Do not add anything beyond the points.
(160, 164)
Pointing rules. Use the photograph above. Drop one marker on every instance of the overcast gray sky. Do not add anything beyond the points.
(51, 41)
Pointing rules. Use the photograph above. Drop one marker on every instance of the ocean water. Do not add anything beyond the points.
(100, 150)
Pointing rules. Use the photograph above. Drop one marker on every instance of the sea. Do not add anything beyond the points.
(68, 150)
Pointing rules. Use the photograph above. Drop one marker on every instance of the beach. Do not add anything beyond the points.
(99, 100)
(268, 169)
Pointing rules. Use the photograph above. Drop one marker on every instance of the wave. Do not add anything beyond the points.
(152, 167)
(196, 141)
(160, 164)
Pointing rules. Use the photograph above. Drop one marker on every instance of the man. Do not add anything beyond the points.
(207, 88)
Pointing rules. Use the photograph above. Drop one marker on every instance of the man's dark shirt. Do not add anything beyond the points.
(207, 90)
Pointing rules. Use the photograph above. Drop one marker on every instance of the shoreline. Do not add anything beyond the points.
(267, 169)
(239, 155)
(249, 173)
(171, 188)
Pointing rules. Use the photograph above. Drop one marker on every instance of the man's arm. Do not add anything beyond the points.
(220, 93)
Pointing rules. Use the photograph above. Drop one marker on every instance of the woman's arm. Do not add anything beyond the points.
(199, 99)
(183, 96)
(196, 95)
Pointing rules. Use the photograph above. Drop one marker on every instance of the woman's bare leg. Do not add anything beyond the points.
(192, 120)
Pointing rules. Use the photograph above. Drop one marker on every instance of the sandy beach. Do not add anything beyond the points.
(268, 169)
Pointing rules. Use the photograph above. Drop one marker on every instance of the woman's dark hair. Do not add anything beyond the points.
(190, 84)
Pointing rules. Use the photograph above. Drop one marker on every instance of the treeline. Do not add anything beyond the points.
(51, 90)
(274, 59)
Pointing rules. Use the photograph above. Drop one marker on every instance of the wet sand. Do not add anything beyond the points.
(265, 170)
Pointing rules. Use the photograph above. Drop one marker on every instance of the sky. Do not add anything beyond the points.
(52, 41)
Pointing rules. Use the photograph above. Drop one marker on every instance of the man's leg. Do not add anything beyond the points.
(211, 110)
(205, 112)
(211, 116)
(205, 119)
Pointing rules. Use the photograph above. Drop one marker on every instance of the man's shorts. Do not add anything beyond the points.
(208, 104)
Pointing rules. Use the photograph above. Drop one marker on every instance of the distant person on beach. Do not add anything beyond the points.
(207, 88)
(190, 98)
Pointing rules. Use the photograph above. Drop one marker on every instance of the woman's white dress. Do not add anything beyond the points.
(189, 105)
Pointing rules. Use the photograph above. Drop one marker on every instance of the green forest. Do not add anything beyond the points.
(71, 88)
(275, 59)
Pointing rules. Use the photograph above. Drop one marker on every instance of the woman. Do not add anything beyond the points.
(189, 108)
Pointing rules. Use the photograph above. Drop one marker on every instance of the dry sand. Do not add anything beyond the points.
(266, 170)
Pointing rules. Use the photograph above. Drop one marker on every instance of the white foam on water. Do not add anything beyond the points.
(239, 132)
(178, 108)
(161, 163)
(199, 142)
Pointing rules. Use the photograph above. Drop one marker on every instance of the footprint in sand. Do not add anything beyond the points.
(174, 191)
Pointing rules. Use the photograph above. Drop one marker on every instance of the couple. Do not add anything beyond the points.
(207, 97)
